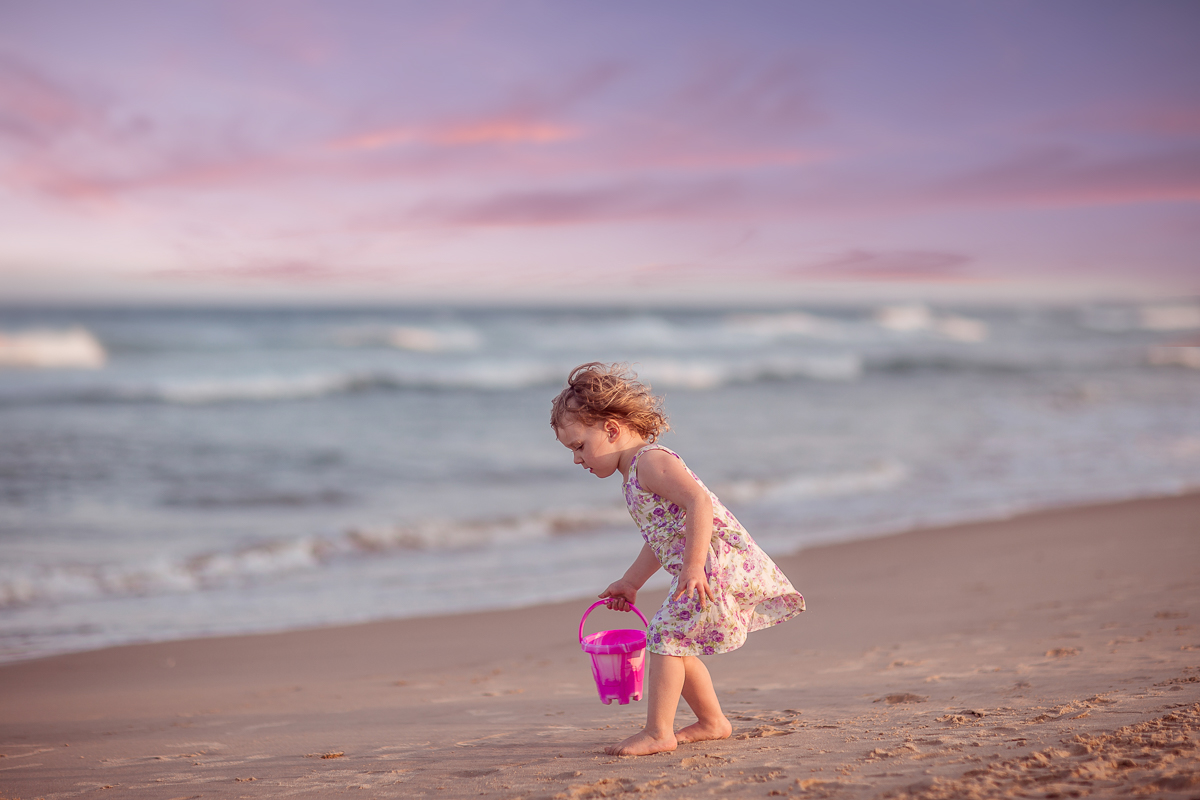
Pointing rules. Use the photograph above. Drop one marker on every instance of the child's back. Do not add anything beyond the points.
(752, 593)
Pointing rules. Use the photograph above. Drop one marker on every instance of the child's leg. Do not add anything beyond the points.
(667, 675)
(701, 697)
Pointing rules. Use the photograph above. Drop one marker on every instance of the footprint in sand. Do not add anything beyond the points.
(896, 699)
(763, 731)
(954, 719)
(902, 663)
(785, 717)
(879, 753)
(1060, 652)
(962, 717)
(605, 787)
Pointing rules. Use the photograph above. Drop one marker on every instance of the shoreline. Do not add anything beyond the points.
(964, 661)
(842, 539)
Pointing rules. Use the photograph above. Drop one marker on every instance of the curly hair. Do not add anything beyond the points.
(597, 392)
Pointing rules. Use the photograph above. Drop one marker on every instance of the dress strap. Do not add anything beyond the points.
(633, 461)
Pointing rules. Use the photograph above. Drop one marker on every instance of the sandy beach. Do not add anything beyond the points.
(1051, 655)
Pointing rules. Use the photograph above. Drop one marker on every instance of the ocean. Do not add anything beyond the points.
(169, 473)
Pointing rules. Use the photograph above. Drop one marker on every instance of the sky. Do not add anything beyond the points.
(581, 152)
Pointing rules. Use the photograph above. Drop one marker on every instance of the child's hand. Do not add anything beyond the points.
(695, 581)
(621, 595)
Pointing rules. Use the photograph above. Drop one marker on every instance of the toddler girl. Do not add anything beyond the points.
(723, 585)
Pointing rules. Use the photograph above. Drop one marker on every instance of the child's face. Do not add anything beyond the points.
(594, 446)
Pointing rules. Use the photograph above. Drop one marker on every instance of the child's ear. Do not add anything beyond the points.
(613, 430)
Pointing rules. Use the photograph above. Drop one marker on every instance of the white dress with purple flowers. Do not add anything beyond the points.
(751, 592)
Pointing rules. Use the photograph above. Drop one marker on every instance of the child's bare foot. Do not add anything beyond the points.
(642, 744)
(705, 731)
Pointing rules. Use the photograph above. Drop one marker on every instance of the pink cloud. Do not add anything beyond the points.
(1062, 177)
(724, 114)
(35, 109)
(528, 115)
(664, 155)
(110, 183)
(633, 200)
(888, 265)
(506, 131)
(484, 131)
(1175, 120)
(282, 270)
(853, 265)
(73, 147)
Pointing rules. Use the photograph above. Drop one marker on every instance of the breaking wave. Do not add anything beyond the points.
(74, 582)
(416, 338)
(72, 348)
(1156, 317)
(907, 319)
(879, 477)
(489, 375)
(1175, 355)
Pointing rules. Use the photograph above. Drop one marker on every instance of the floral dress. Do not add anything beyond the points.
(751, 592)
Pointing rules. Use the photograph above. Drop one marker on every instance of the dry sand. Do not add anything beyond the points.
(1051, 655)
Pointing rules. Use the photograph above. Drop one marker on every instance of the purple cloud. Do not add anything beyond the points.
(1063, 176)
(894, 265)
(36, 110)
(598, 204)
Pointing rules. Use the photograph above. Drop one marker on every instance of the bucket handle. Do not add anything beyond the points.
(600, 603)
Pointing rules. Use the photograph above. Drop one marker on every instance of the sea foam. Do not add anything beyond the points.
(72, 348)
(278, 557)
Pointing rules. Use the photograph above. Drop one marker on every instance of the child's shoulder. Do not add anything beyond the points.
(653, 462)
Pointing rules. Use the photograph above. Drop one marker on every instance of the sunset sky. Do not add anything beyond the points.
(410, 151)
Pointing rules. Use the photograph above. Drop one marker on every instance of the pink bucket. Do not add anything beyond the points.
(618, 659)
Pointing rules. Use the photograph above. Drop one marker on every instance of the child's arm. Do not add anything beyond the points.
(624, 592)
(666, 476)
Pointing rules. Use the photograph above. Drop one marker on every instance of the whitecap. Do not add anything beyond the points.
(785, 325)
(882, 476)
(961, 329)
(1169, 317)
(263, 387)
(917, 318)
(73, 348)
(1175, 355)
(434, 340)
(414, 338)
(703, 374)
(905, 318)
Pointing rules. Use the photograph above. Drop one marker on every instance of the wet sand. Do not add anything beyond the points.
(1051, 655)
